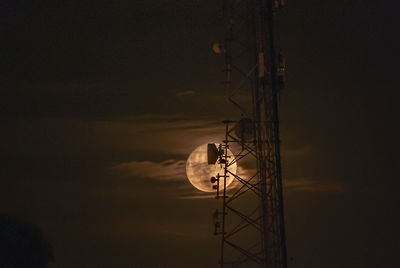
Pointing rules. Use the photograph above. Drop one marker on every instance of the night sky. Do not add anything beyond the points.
(101, 102)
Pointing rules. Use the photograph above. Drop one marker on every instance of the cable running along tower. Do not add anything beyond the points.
(250, 219)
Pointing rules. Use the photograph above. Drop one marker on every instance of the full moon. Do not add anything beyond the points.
(199, 172)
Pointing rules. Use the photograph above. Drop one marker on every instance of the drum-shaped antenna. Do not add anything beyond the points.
(244, 129)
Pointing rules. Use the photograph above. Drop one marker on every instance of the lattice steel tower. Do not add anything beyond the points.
(251, 218)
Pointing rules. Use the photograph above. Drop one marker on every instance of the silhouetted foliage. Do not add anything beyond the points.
(22, 244)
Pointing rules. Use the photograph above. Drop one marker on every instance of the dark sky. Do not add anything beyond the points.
(101, 102)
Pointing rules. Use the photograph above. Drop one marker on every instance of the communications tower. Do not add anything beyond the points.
(250, 220)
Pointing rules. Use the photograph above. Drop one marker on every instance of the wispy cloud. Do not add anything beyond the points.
(177, 135)
(185, 93)
(198, 196)
(160, 134)
(297, 152)
(312, 185)
(166, 170)
(296, 184)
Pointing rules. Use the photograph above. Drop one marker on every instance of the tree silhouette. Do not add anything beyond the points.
(22, 244)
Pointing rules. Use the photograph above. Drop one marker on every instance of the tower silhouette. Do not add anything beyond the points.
(250, 220)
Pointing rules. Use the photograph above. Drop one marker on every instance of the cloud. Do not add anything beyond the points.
(297, 184)
(171, 170)
(185, 93)
(157, 134)
(297, 152)
(312, 185)
(198, 196)
(175, 136)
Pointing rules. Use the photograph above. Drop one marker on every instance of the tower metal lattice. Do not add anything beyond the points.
(251, 218)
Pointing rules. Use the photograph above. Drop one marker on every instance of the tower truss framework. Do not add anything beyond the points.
(251, 218)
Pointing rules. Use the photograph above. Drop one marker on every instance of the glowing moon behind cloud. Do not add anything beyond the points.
(199, 172)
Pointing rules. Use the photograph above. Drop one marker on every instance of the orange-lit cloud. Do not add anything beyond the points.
(186, 93)
(311, 185)
(166, 170)
(176, 135)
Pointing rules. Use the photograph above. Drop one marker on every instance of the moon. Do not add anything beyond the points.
(199, 172)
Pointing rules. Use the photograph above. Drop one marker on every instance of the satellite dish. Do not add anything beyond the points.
(244, 129)
(212, 153)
